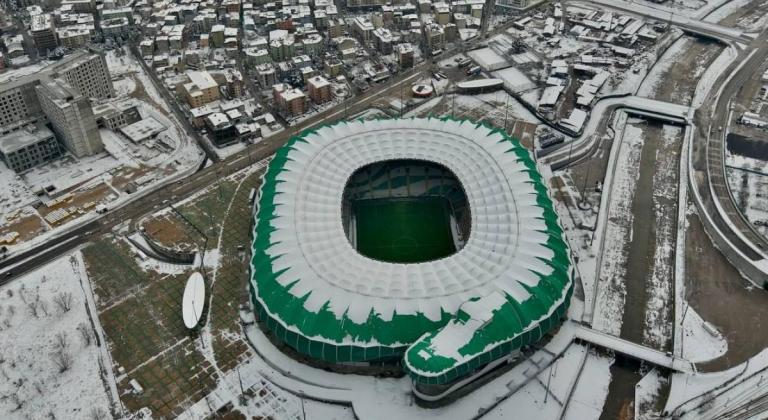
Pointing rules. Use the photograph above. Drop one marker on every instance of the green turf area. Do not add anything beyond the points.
(404, 230)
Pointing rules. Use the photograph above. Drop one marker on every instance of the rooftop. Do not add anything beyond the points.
(20, 139)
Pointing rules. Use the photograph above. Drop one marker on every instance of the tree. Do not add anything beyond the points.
(85, 333)
(61, 341)
(64, 301)
(98, 413)
(62, 358)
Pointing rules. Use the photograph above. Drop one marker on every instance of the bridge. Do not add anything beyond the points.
(565, 153)
(630, 349)
(687, 24)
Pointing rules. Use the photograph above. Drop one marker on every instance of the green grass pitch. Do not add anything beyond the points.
(404, 230)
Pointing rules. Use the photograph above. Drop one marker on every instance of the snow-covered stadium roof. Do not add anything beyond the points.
(504, 289)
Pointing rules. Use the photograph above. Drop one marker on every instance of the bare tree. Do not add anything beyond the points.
(98, 413)
(85, 333)
(17, 402)
(64, 301)
(34, 308)
(62, 358)
(43, 306)
(60, 341)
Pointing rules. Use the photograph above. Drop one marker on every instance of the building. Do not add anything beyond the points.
(221, 129)
(518, 4)
(74, 36)
(342, 299)
(383, 40)
(29, 147)
(201, 89)
(71, 117)
(116, 115)
(88, 73)
(319, 89)
(266, 75)
(289, 100)
(405, 55)
(19, 101)
(145, 129)
(435, 36)
(44, 33)
(363, 29)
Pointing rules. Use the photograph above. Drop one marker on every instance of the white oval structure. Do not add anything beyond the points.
(194, 300)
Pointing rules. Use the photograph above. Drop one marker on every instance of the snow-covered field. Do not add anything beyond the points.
(49, 358)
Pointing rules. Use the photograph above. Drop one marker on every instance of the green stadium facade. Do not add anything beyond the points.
(444, 320)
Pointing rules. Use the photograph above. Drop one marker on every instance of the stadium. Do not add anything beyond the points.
(427, 244)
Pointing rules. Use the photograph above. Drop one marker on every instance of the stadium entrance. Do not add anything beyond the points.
(405, 211)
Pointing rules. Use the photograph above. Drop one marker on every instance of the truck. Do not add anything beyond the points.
(101, 209)
(473, 71)
(465, 62)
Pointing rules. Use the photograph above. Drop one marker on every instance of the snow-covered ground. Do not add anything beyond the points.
(661, 69)
(750, 188)
(657, 331)
(611, 291)
(700, 343)
(545, 397)
(646, 393)
(49, 359)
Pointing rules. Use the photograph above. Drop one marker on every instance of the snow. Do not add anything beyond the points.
(488, 59)
(611, 293)
(657, 332)
(27, 343)
(543, 395)
(706, 395)
(711, 74)
(14, 192)
(699, 344)
(592, 390)
(490, 102)
(646, 394)
(316, 410)
(660, 70)
(514, 79)
(387, 398)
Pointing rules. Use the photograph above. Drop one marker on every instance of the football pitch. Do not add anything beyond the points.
(403, 230)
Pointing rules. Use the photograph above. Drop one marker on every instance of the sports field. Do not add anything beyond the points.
(403, 230)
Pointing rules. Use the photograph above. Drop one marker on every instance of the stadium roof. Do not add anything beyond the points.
(504, 289)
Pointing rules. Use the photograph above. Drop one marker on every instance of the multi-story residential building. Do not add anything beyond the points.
(435, 36)
(404, 55)
(201, 89)
(383, 40)
(319, 89)
(71, 117)
(44, 33)
(363, 29)
(24, 149)
(291, 101)
(74, 36)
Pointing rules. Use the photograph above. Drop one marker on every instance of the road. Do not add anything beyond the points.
(708, 151)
